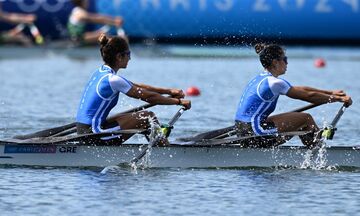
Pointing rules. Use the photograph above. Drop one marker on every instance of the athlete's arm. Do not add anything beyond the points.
(329, 92)
(316, 97)
(137, 91)
(176, 93)
(101, 19)
(153, 97)
(16, 18)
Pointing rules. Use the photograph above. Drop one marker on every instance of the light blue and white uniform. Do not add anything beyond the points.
(100, 96)
(259, 101)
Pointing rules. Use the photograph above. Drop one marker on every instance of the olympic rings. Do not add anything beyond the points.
(31, 6)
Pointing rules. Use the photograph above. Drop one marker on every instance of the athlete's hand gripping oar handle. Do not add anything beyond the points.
(329, 131)
(157, 138)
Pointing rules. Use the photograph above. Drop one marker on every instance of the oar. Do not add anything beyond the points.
(47, 132)
(231, 130)
(301, 109)
(238, 140)
(68, 127)
(307, 107)
(329, 131)
(208, 135)
(158, 137)
(90, 139)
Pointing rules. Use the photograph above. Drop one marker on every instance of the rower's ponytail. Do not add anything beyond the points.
(103, 40)
(259, 47)
(110, 47)
(267, 53)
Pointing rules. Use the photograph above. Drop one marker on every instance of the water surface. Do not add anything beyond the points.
(43, 91)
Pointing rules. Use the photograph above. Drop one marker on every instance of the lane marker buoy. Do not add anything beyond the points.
(319, 63)
(193, 91)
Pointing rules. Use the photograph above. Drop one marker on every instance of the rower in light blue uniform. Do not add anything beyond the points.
(259, 101)
(100, 96)
(261, 95)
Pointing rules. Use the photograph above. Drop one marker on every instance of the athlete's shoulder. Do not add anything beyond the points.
(120, 83)
(278, 85)
(118, 78)
(105, 69)
(278, 81)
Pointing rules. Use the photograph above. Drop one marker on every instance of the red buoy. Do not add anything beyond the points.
(192, 91)
(319, 63)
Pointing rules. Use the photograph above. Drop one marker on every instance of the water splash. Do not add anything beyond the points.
(109, 169)
(145, 161)
(316, 158)
(321, 159)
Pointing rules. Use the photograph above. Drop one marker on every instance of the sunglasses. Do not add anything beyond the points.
(128, 53)
(285, 59)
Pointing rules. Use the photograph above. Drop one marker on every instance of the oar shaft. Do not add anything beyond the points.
(329, 131)
(157, 138)
(136, 109)
(301, 109)
(338, 116)
(176, 117)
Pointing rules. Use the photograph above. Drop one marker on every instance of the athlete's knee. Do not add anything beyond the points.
(144, 119)
(146, 114)
(310, 121)
(307, 117)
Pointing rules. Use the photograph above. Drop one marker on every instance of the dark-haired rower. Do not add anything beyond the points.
(104, 87)
(259, 99)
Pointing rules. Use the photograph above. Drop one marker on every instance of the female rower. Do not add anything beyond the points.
(102, 92)
(79, 17)
(259, 100)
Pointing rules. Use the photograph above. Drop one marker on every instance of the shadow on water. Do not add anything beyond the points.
(128, 168)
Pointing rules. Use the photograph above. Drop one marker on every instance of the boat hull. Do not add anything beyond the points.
(180, 156)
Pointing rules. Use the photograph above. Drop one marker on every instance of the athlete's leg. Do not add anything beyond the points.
(91, 37)
(137, 120)
(295, 121)
(18, 38)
